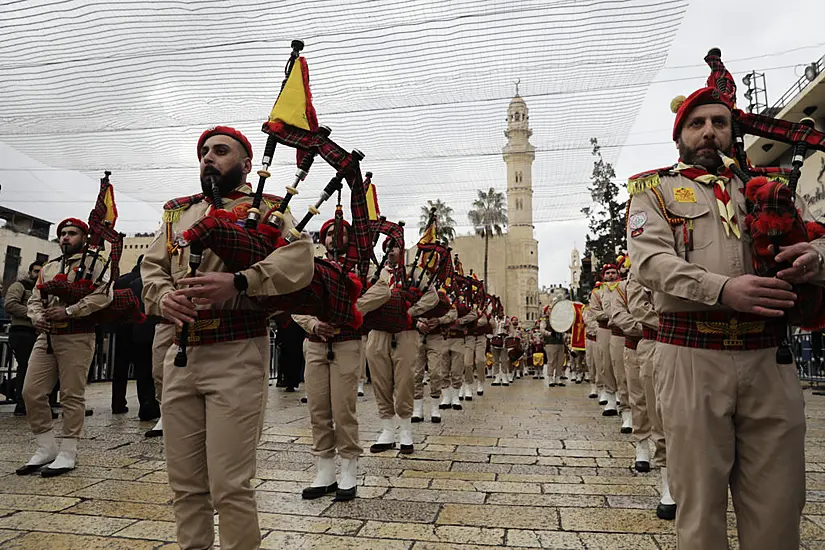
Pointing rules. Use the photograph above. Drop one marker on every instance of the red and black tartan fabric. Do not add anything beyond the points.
(648, 334)
(82, 325)
(720, 330)
(214, 326)
(237, 247)
(779, 130)
(497, 341)
(299, 138)
(392, 317)
(602, 324)
(125, 308)
(720, 78)
(69, 292)
(345, 334)
(614, 331)
(632, 342)
(390, 229)
(512, 342)
(774, 221)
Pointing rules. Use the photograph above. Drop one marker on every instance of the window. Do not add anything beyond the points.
(12, 266)
(41, 258)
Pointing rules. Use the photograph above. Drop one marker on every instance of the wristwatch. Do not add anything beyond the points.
(240, 282)
(69, 311)
(820, 264)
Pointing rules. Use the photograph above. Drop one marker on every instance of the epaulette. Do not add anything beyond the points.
(271, 201)
(646, 180)
(173, 208)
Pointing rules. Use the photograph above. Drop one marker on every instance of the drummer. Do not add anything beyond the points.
(554, 343)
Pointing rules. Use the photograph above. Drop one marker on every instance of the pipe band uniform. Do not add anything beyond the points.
(700, 233)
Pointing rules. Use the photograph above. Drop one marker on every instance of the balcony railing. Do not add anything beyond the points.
(796, 89)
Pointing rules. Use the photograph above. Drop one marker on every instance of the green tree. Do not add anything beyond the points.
(489, 218)
(606, 220)
(444, 222)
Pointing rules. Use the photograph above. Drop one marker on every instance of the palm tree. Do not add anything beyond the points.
(489, 217)
(444, 222)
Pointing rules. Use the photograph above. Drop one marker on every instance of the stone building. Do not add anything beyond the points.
(513, 269)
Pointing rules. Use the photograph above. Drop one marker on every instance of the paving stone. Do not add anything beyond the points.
(433, 533)
(63, 523)
(130, 491)
(279, 540)
(494, 516)
(41, 541)
(384, 510)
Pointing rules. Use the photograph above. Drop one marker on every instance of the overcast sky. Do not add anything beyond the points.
(421, 87)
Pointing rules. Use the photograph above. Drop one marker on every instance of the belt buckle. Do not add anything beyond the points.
(201, 325)
(733, 329)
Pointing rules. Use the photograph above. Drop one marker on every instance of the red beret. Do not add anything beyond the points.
(328, 224)
(72, 222)
(225, 131)
(609, 266)
(703, 96)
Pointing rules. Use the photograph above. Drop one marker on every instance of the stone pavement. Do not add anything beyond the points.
(521, 467)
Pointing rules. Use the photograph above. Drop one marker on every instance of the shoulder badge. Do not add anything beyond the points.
(173, 208)
(646, 180)
(271, 201)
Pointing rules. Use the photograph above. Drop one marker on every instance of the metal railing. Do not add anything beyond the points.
(796, 88)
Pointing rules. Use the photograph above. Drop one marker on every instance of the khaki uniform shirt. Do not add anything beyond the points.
(597, 305)
(658, 251)
(640, 305)
(99, 299)
(590, 325)
(620, 314)
(288, 269)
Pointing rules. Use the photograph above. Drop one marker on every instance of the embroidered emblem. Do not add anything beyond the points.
(637, 220)
(733, 329)
(636, 232)
(684, 194)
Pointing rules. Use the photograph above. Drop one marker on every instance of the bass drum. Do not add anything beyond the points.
(562, 316)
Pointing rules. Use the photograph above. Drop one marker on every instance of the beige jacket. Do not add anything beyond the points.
(99, 299)
(658, 250)
(16, 304)
(620, 314)
(288, 269)
(640, 305)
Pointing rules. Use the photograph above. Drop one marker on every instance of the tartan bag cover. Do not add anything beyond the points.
(632, 342)
(720, 330)
(214, 326)
(392, 317)
(125, 308)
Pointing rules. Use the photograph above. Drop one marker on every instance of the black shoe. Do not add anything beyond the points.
(666, 511)
(149, 413)
(480, 392)
(88, 412)
(578, 381)
(610, 412)
(303, 399)
(552, 384)
(381, 447)
(54, 472)
(626, 430)
(457, 407)
(20, 410)
(311, 493)
(443, 407)
(153, 433)
(561, 384)
(54, 414)
(564, 378)
(468, 398)
(642, 467)
(496, 384)
(461, 398)
(344, 495)
(119, 410)
(435, 419)
(406, 449)
(594, 396)
(360, 394)
(505, 383)
(490, 377)
(28, 469)
(603, 402)
(416, 419)
(289, 389)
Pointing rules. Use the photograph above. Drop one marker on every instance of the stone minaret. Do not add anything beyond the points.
(522, 249)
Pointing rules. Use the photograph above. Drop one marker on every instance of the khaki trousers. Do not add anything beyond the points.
(636, 391)
(590, 360)
(164, 337)
(332, 392)
(480, 357)
(213, 411)
(501, 361)
(604, 367)
(392, 371)
(363, 376)
(733, 418)
(430, 352)
(616, 358)
(648, 377)
(577, 362)
(555, 359)
(69, 363)
(453, 363)
(470, 358)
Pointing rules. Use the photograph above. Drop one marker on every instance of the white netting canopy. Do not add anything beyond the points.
(421, 87)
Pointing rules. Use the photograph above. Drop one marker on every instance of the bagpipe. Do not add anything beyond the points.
(334, 289)
(125, 306)
(773, 220)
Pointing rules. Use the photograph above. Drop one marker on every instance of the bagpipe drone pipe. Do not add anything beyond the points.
(125, 306)
(773, 220)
